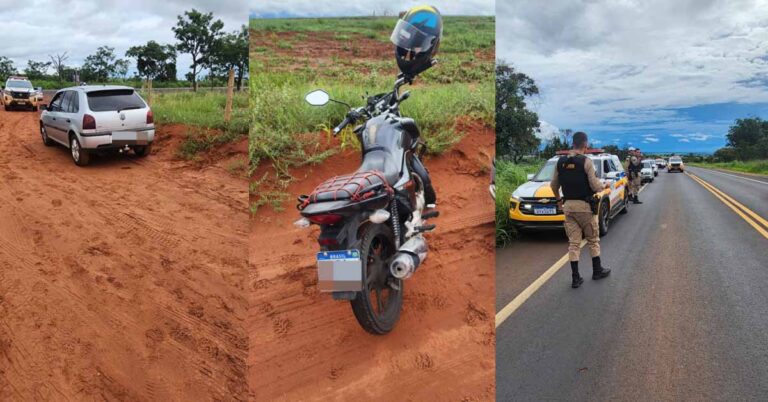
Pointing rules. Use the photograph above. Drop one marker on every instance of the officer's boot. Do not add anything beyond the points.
(598, 271)
(577, 280)
(637, 200)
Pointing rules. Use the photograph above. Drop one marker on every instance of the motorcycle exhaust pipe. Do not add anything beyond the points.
(409, 257)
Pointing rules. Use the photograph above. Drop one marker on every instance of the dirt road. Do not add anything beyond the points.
(306, 346)
(119, 281)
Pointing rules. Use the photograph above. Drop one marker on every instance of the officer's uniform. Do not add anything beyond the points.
(635, 181)
(575, 173)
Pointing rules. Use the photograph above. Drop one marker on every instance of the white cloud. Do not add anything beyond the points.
(683, 140)
(650, 139)
(35, 29)
(610, 63)
(547, 131)
(332, 8)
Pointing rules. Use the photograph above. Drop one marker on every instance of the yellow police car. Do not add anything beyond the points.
(533, 205)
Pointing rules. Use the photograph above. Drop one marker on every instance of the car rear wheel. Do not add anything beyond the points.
(625, 209)
(80, 156)
(143, 150)
(603, 219)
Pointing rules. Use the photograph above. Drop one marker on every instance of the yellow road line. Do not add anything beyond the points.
(521, 298)
(734, 205)
(518, 301)
(738, 204)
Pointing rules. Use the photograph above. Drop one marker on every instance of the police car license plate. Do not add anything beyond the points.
(545, 210)
(339, 271)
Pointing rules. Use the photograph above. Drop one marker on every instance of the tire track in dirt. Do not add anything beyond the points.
(116, 281)
(305, 346)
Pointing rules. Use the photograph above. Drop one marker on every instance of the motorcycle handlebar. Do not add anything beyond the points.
(342, 125)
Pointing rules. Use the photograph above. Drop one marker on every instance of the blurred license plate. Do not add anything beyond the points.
(544, 210)
(133, 136)
(339, 271)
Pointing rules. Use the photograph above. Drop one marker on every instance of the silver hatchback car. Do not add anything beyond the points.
(94, 118)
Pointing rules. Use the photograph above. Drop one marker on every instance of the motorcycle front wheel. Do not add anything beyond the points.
(377, 308)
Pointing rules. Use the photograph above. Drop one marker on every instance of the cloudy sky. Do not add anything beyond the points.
(658, 74)
(34, 29)
(334, 8)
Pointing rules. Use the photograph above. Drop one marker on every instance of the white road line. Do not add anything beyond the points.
(521, 298)
(736, 176)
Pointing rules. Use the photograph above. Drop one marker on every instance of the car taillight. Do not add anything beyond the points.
(327, 219)
(150, 117)
(89, 122)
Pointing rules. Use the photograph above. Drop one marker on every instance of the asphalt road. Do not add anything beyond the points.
(683, 316)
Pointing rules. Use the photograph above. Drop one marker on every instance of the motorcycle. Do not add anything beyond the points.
(372, 222)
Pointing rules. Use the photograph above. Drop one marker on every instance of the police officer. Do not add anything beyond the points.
(575, 173)
(633, 171)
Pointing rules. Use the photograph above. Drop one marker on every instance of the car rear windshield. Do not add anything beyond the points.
(675, 160)
(114, 100)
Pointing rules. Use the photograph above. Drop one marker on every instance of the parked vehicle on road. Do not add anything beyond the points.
(648, 171)
(675, 164)
(19, 92)
(90, 119)
(661, 163)
(533, 205)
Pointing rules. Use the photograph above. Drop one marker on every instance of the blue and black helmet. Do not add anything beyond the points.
(417, 38)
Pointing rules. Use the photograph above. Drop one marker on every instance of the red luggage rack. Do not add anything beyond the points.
(357, 186)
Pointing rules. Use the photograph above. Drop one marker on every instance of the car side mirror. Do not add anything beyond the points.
(530, 176)
(317, 98)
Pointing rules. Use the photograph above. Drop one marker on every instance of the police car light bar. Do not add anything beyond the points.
(589, 151)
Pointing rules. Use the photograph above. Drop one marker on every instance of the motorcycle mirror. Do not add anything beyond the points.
(317, 98)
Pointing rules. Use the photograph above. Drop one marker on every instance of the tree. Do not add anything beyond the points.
(197, 34)
(726, 154)
(36, 69)
(230, 52)
(57, 61)
(749, 138)
(557, 143)
(102, 65)
(6, 68)
(515, 125)
(154, 61)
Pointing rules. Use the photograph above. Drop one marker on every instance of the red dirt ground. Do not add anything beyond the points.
(305, 346)
(123, 280)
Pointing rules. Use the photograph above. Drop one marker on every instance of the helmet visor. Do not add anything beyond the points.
(411, 38)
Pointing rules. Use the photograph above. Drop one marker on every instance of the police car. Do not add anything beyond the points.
(19, 92)
(533, 205)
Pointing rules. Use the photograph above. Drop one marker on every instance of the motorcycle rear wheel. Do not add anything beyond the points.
(377, 308)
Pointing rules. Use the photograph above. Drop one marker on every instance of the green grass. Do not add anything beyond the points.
(204, 111)
(755, 166)
(51, 84)
(460, 34)
(508, 177)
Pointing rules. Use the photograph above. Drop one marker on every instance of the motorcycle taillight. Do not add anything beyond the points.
(326, 219)
(328, 242)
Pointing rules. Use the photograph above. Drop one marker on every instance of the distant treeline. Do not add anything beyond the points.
(197, 34)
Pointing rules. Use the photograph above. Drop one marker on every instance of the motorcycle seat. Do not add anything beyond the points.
(357, 186)
(381, 160)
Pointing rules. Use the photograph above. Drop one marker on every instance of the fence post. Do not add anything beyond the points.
(148, 87)
(230, 94)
